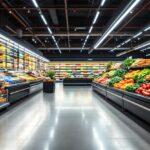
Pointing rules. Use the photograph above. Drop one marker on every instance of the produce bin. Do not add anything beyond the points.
(138, 105)
(77, 81)
(101, 89)
(17, 91)
(48, 87)
(36, 86)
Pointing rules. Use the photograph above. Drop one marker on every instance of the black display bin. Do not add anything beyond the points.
(36, 86)
(101, 89)
(134, 103)
(48, 87)
(77, 81)
(17, 91)
(138, 105)
(115, 95)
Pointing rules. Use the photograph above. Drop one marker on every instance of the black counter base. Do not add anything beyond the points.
(136, 104)
(77, 82)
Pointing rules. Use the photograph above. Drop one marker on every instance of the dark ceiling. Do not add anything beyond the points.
(70, 21)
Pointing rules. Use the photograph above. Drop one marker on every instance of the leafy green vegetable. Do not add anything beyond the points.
(51, 74)
(120, 72)
(132, 88)
(114, 80)
(142, 81)
(128, 62)
(142, 74)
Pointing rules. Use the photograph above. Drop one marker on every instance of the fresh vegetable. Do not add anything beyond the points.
(133, 87)
(128, 62)
(132, 74)
(148, 77)
(144, 89)
(142, 74)
(142, 81)
(103, 80)
(124, 83)
(120, 72)
(114, 80)
(141, 63)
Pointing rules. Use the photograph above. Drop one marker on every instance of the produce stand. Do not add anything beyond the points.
(115, 95)
(134, 103)
(17, 91)
(36, 86)
(77, 81)
(138, 105)
(49, 87)
(101, 89)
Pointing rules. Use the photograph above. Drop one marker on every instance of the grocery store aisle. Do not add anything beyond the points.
(74, 118)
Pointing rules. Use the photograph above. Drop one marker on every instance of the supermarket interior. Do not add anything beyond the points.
(74, 75)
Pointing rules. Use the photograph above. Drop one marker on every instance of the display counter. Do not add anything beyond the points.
(17, 91)
(134, 103)
(77, 81)
(35, 86)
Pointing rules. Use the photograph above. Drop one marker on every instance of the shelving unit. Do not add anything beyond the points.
(77, 69)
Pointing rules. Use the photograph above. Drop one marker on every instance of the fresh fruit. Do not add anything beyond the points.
(144, 89)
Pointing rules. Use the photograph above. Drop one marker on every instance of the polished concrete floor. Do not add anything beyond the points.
(74, 118)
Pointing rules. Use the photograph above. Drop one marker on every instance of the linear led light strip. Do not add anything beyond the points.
(116, 22)
(142, 45)
(145, 49)
(91, 28)
(45, 22)
(11, 43)
(135, 36)
(135, 48)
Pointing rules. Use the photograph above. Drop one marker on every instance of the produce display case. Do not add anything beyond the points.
(101, 89)
(128, 86)
(77, 81)
(17, 91)
(138, 105)
(3, 99)
(35, 86)
(115, 95)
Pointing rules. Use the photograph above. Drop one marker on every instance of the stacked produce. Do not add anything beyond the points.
(3, 91)
(144, 89)
(137, 81)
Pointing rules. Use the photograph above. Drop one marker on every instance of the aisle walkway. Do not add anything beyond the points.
(73, 118)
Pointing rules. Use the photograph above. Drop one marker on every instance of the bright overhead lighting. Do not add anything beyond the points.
(145, 49)
(148, 55)
(117, 21)
(53, 38)
(142, 45)
(96, 17)
(102, 3)
(127, 41)
(35, 3)
(44, 20)
(148, 28)
(87, 37)
(49, 30)
(90, 29)
(138, 34)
